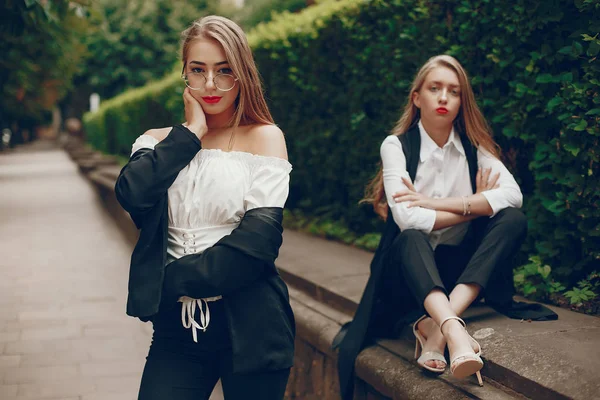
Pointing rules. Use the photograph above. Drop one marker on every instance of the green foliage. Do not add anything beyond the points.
(134, 42)
(41, 50)
(579, 295)
(122, 119)
(565, 207)
(334, 230)
(337, 75)
(585, 291)
(257, 11)
(533, 280)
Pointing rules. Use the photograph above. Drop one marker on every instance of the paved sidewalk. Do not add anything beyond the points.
(63, 283)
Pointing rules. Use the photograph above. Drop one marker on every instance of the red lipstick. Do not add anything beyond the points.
(442, 110)
(211, 99)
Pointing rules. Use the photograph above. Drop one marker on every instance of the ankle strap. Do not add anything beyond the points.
(450, 318)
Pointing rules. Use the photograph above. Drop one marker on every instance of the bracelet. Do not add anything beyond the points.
(468, 207)
(464, 200)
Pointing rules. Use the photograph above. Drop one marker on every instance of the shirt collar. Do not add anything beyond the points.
(428, 146)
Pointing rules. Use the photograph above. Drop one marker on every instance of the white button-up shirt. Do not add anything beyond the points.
(441, 173)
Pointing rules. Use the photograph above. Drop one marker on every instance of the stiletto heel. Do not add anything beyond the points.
(465, 364)
(427, 356)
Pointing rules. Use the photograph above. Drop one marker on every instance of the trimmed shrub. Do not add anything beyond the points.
(337, 75)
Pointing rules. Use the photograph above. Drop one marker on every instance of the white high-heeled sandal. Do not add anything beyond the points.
(428, 355)
(465, 364)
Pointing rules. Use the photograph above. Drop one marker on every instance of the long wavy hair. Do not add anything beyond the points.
(469, 122)
(251, 107)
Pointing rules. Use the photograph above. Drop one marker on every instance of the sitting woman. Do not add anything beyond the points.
(455, 227)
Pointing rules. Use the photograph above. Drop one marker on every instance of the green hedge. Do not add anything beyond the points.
(337, 75)
(120, 120)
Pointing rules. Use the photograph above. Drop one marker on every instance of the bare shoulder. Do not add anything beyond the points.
(159, 133)
(268, 140)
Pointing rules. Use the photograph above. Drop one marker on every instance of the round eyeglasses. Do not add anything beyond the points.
(197, 81)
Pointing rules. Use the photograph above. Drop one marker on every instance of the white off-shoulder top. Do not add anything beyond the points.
(207, 201)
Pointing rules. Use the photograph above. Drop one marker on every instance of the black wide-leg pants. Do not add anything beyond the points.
(485, 257)
(177, 368)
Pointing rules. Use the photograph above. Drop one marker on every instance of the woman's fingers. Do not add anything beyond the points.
(400, 194)
(406, 198)
(403, 196)
(486, 175)
(194, 115)
(492, 183)
(484, 182)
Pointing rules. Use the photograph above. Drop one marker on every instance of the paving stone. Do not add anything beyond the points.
(109, 395)
(9, 361)
(71, 357)
(9, 337)
(8, 392)
(13, 326)
(36, 346)
(121, 384)
(56, 389)
(31, 374)
(37, 315)
(56, 332)
(115, 348)
(112, 369)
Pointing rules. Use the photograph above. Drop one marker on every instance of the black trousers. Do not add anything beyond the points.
(177, 368)
(485, 257)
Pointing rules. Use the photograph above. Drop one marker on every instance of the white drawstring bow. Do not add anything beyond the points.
(188, 312)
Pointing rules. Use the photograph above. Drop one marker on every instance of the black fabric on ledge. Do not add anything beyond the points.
(526, 311)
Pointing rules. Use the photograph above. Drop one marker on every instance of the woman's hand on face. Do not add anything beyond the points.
(194, 115)
(415, 199)
(484, 182)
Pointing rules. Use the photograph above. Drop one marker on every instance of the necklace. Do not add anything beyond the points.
(231, 140)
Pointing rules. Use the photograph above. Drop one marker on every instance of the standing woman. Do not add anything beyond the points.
(208, 198)
(453, 229)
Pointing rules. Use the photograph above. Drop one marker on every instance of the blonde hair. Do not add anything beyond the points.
(469, 122)
(251, 107)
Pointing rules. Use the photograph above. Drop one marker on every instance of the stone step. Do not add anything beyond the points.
(545, 360)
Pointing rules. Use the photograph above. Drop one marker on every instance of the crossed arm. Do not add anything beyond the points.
(496, 190)
(450, 210)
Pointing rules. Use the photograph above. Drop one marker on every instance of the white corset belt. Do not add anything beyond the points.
(191, 241)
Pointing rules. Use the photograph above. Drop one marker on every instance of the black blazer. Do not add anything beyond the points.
(240, 267)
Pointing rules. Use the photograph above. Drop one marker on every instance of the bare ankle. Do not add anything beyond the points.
(452, 328)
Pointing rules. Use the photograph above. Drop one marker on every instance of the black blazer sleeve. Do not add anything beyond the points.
(237, 260)
(149, 173)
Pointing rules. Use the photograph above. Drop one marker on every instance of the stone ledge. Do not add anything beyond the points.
(86, 158)
(542, 360)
